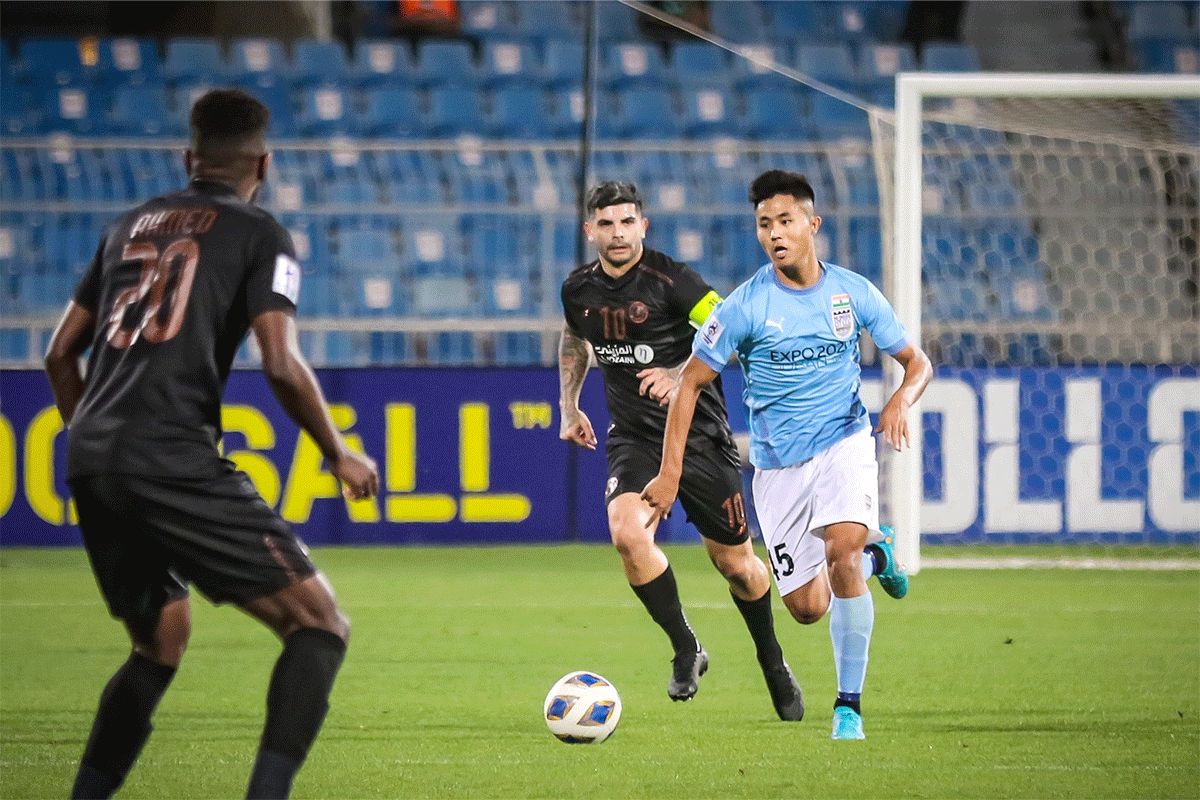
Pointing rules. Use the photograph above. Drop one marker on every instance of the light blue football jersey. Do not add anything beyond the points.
(799, 351)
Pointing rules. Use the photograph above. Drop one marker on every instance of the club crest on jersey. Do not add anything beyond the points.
(842, 316)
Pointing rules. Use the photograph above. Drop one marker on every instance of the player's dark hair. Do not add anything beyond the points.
(613, 193)
(778, 181)
(228, 124)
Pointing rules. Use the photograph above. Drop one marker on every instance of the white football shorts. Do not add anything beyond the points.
(795, 503)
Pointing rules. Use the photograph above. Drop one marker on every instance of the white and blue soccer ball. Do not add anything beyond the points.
(582, 708)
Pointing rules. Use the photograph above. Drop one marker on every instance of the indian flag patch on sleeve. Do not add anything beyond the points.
(842, 316)
(287, 277)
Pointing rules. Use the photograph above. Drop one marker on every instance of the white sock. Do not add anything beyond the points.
(851, 620)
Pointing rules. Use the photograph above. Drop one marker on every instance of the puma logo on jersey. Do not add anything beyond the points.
(773, 324)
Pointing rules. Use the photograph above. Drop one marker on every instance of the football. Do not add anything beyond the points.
(582, 708)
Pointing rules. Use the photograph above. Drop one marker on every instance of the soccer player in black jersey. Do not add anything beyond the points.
(173, 290)
(638, 310)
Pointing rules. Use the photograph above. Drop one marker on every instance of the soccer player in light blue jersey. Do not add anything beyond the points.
(794, 326)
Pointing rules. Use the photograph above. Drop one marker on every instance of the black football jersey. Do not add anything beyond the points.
(174, 285)
(643, 319)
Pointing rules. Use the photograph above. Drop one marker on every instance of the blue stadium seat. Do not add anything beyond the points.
(830, 63)
(642, 113)
(445, 63)
(507, 63)
(454, 110)
(700, 64)
(315, 62)
(709, 111)
(566, 113)
(326, 111)
(277, 98)
(1163, 21)
(628, 65)
(52, 62)
(363, 250)
(799, 21)
(548, 20)
(949, 57)
(488, 18)
(616, 21)
(775, 115)
(412, 177)
(750, 73)
(432, 244)
(491, 242)
(392, 112)
(128, 61)
(520, 113)
(1166, 57)
(258, 62)
(836, 120)
(866, 248)
(143, 111)
(563, 64)
(18, 116)
(444, 294)
(735, 250)
(475, 175)
(194, 60)
(517, 349)
(380, 63)
(857, 174)
(879, 63)
(738, 21)
(725, 175)
(75, 110)
(852, 22)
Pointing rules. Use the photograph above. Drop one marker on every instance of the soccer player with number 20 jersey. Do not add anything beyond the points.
(794, 326)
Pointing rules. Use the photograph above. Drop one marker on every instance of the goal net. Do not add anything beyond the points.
(1043, 235)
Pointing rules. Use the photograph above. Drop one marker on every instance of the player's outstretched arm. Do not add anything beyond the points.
(661, 490)
(893, 420)
(295, 386)
(71, 338)
(573, 357)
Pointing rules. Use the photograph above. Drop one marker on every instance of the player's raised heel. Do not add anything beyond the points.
(847, 724)
(786, 695)
(893, 577)
(686, 669)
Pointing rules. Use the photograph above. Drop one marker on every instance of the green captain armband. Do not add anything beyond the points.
(701, 310)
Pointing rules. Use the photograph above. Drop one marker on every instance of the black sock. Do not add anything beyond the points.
(122, 726)
(853, 701)
(881, 559)
(297, 701)
(661, 598)
(761, 624)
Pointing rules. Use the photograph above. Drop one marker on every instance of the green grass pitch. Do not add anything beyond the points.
(982, 684)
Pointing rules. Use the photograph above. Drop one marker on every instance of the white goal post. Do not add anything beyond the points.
(904, 490)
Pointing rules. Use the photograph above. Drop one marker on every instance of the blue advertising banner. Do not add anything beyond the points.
(469, 455)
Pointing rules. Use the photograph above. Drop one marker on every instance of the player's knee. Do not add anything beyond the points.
(803, 610)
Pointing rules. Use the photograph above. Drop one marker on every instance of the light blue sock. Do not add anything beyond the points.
(851, 620)
(868, 564)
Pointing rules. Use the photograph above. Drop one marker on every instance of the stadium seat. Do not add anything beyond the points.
(750, 72)
(475, 175)
(143, 111)
(799, 21)
(315, 62)
(949, 57)
(700, 64)
(392, 112)
(379, 63)
(566, 113)
(627, 65)
(775, 115)
(879, 63)
(432, 245)
(562, 66)
(194, 60)
(724, 175)
(454, 110)
(520, 113)
(18, 116)
(616, 21)
(487, 19)
(1166, 57)
(444, 294)
(507, 63)
(326, 111)
(738, 21)
(643, 113)
(445, 63)
(258, 62)
(837, 120)
(52, 62)
(128, 61)
(75, 110)
(548, 20)
(829, 63)
(277, 98)
(1162, 21)
(852, 22)
(709, 111)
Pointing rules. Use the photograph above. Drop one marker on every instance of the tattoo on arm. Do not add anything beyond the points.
(572, 365)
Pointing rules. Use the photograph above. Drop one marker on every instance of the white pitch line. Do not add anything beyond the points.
(1003, 562)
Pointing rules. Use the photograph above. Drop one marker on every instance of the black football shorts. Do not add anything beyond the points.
(710, 488)
(148, 538)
